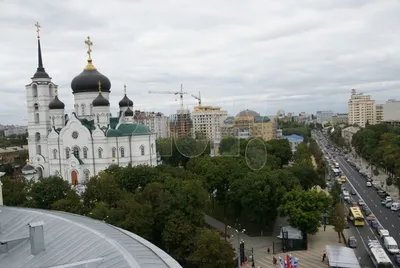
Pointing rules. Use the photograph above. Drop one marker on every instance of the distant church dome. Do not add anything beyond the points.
(247, 113)
(125, 102)
(56, 104)
(100, 101)
(128, 112)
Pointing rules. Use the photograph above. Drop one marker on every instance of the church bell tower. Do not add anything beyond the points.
(39, 93)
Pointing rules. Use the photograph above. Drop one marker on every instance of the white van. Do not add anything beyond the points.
(395, 206)
(391, 244)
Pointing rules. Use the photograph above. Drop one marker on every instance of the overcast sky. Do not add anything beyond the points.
(262, 55)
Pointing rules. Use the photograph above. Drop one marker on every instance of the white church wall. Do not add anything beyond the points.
(85, 100)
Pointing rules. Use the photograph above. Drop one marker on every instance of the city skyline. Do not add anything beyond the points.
(257, 55)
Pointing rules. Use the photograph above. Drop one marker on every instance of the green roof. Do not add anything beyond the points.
(88, 124)
(128, 130)
(114, 122)
(261, 119)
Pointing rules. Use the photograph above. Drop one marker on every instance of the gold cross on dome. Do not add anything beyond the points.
(89, 43)
(38, 29)
(125, 89)
(99, 83)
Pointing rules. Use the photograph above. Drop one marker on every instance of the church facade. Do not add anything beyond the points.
(90, 140)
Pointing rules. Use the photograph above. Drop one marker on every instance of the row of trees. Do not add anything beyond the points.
(164, 205)
(301, 129)
(380, 144)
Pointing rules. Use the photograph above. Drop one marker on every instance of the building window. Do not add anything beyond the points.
(34, 90)
(76, 152)
(113, 152)
(54, 153)
(36, 118)
(85, 150)
(141, 149)
(98, 119)
(54, 120)
(36, 107)
(152, 148)
(83, 109)
(122, 152)
(87, 174)
(37, 136)
(67, 152)
(39, 149)
(100, 153)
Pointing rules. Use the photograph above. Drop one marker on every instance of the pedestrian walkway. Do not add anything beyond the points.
(311, 258)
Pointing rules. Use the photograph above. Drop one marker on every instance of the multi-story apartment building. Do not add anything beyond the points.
(391, 112)
(378, 113)
(156, 122)
(180, 124)
(340, 118)
(15, 130)
(324, 117)
(361, 109)
(247, 124)
(206, 121)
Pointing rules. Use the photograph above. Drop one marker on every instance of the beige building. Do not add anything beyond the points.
(156, 122)
(206, 121)
(247, 124)
(391, 112)
(361, 109)
(379, 113)
(340, 118)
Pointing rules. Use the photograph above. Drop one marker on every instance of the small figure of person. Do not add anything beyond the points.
(323, 256)
(274, 260)
(268, 250)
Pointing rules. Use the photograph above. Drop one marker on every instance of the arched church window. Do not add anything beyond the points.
(67, 152)
(36, 107)
(34, 90)
(54, 120)
(85, 150)
(39, 149)
(87, 174)
(142, 149)
(54, 153)
(83, 109)
(122, 152)
(76, 152)
(113, 150)
(51, 90)
(36, 118)
(98, 118)
(100, 151)
(37, 136)
(152, 148)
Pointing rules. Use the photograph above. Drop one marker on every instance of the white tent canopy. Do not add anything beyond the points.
(341, 257)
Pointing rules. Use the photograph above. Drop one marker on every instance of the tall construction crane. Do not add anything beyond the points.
(198, 98)
(180, 93)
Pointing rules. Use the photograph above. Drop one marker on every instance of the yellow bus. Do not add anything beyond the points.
(356, 216)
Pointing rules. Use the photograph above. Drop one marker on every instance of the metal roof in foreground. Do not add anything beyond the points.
(72, 241)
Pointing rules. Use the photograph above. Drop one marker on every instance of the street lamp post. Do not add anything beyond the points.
(238, 232)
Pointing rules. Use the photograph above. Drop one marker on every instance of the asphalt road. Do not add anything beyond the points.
(385, 216)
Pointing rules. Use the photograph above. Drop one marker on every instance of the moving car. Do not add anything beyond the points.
(353, 192)
(375, 224)
(383, 232)
(361, 203)
(391, 244)
(388, 204)
(397, 259)
(352, 242)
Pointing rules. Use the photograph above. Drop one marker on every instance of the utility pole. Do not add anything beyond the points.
(239, 232)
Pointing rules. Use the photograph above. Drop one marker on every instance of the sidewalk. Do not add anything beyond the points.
(307, 258)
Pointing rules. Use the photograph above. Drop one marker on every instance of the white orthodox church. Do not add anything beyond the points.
(90, 140)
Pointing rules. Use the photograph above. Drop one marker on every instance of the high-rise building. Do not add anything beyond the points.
(324, 117)
(391, 112)
(156, 122)
(378, 113)
(361, 109)
(180, 124)
(206, 121)
(340, 118)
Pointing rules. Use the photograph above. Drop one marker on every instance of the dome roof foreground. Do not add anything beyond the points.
(87, 81)
(56, 104)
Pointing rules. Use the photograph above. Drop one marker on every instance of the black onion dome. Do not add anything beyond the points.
(128, 112)
(56, 104)
(100, 101)
(28, 167)
(88, 81)
(125, 102)
(40, 71)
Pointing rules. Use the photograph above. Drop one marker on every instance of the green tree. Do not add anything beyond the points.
(307, 176)
(71, 203)
(338, 220)
(211, 251)
(229, 145)
(335, 193)
(305, 209)
(48, 190)
(15, 191)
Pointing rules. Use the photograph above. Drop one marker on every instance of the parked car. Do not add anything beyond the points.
(384, 201)
(369, 184)
(353, 192)
(388, 204)
(367, 212)
(383, 232)
(352, 242)
(395, 206)
(375, 224)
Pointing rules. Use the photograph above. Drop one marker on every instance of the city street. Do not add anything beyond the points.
(387, 218)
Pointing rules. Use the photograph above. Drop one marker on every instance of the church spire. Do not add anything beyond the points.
(40, 72)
